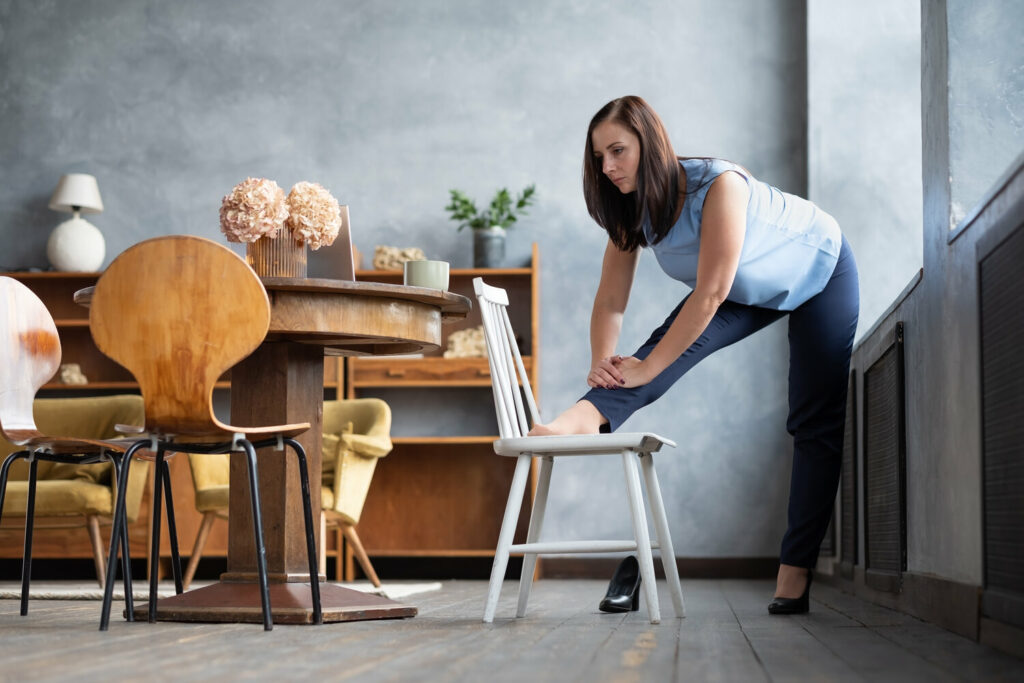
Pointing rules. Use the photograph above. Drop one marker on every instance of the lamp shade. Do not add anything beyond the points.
(77, 190)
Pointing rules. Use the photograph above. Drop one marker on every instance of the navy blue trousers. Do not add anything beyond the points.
(821, 332)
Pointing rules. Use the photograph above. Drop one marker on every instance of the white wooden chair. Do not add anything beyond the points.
(506, 363)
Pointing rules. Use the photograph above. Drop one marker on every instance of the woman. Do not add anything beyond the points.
(751, 254)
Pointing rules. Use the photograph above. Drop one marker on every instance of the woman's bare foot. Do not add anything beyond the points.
(582, 418)
(791, 581)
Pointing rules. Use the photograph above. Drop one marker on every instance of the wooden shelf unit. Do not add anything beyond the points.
(444, 496)
(105, 376)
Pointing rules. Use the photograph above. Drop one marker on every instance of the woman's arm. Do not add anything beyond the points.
(722, 230)
(617, 272)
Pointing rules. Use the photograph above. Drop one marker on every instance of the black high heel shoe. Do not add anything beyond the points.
(624, 590)
(799, 605)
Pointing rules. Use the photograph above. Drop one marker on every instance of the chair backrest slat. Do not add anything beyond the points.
(29, 353)
(497, 369)
(534, 413)
(178, 312)
(508, 373)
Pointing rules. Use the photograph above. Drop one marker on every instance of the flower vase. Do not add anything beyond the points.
(280, 257)
(489, 247)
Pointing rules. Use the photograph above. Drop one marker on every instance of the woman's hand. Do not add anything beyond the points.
(614, 372)
(605, 374)
(634, 371)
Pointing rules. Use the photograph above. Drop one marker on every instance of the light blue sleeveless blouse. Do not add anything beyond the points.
(789, 251)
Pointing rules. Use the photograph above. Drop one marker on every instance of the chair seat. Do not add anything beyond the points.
(60, 497)
(582, 444)
(326, 498)
(70, 445)
(251, 433)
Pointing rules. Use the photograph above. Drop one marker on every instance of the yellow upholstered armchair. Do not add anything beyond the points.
(70, 495)
(356, 433)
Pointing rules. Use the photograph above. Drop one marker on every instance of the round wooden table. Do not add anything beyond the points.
(282, 383)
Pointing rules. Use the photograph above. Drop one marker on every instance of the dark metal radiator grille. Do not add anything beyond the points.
(1002, 380)
(848, 483)
(884, 443)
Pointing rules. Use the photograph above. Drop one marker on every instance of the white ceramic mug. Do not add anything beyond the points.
(432, 274)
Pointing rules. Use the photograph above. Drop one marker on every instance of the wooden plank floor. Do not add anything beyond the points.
(727, 636)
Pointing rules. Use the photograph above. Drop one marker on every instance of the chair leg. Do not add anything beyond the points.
(346, 571)
(8, 461)
(307, 509)
(668, 555)
(30, 513)
(172, 529)
(197, 549)
(126, 558)
(126, 575)
(118, 533)
(154, 550)
(364, 560)
(321, 551)
(643, 539)
(93, 525)
(536, 524)
(257, 521)
(508, 529)
(3, 492)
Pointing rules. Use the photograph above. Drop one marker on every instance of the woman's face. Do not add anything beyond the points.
(617, 149)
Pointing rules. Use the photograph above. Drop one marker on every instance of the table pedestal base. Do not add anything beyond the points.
(290, 603)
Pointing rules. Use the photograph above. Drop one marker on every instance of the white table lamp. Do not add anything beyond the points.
(76, 244)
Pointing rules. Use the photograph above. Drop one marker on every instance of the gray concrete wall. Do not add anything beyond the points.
(864, 137)
(389, 104)
(944, 507)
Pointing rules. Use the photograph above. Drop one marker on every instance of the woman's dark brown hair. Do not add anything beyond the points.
(657, 177)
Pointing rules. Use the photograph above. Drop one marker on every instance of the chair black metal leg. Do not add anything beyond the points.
(154, 548)
(126, 575)
(119, 529)
(314, 573)
(172, 529)
(30, 513)
(257, 519)
(8, 461)
(126, 560)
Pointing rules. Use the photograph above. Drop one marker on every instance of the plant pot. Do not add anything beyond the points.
(281, 257)
(489, 247)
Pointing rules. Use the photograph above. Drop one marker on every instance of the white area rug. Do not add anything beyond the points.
(82, 590)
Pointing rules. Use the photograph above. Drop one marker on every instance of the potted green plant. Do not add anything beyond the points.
(489, 225)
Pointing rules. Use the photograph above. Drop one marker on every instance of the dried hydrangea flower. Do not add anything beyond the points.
(313, 215)
(253, 209)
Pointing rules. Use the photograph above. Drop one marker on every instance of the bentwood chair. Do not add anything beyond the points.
(30, 354)
(356, 432)
(506, 365)
(178, 312)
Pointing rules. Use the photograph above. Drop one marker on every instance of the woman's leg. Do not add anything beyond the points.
(607, 409)
(821, 333)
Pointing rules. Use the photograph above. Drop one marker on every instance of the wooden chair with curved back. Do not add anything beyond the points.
(30, 354)
(178, 312)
